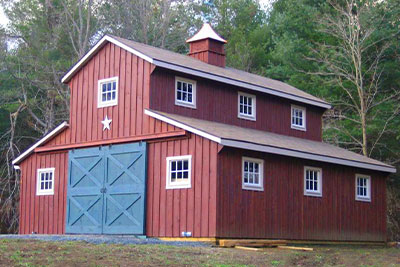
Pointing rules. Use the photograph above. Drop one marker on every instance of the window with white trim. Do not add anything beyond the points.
(363, 187)
(252, 174)
(298, 118)
(45, 182)
(179, 172)
(312, 181)
(107, 92)
(246, 106)
(185, 92)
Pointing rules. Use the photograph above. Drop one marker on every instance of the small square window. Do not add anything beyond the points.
(185, 92)
(179, 172)
(252, 174)
(363, 187)
(45, 182)
(246, 106)
(312, 181)
(107, 92)
(298, 118)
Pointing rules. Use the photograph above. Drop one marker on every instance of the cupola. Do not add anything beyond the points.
(207, 46)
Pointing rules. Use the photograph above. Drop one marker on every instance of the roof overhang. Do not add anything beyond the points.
(45, 139)
(184, 69)
(271, 149)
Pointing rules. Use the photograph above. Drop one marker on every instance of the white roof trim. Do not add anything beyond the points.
(206, 32)
(305, 155)
(191, 71)
(239, 83)
(182, 126)
(270, 149)
(95, 48)
(47, 137)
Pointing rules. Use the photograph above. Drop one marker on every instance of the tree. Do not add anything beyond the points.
(354, 61)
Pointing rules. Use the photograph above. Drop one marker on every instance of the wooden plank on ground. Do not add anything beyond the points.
(246, 242)
(249, 248)
(296, 248)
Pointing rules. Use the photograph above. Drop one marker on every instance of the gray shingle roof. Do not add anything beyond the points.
(230, 73)
(292, 145)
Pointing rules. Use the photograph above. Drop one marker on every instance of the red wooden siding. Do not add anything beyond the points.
(128, 118)
(218, 102)
(209, 51)
(282, 210)
(172, 211)
(43, 214)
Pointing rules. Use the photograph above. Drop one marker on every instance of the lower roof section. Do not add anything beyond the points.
(244, 138)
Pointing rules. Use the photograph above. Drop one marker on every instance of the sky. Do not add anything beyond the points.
(4, 20)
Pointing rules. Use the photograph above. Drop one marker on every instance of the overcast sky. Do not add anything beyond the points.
(4, 20)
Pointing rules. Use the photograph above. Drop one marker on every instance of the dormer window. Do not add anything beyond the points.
(298, 118)
(185, 92)
(246, 106)
(107, 92)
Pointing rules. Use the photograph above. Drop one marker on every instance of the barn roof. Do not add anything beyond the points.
(186, 64)
(239, 137)
(42, 141)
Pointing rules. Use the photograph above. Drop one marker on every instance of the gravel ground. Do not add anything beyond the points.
(106, 239)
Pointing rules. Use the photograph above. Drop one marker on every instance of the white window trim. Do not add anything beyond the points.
(100, 103)
(194, 93)
(177, 185)
(296, 127)
(317, 193)
(259, 187)
(362, 198)
(254, 107)
(44, 192)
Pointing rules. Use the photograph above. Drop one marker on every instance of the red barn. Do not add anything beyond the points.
(168, 145)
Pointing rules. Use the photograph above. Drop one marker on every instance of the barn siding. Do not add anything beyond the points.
(128, 118)
(282, 210)
(218, 102)
(172, 211)
(43, 214)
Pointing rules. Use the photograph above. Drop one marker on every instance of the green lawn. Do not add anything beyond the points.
(40, 253)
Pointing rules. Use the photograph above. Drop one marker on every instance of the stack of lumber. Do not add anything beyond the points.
(257, 244)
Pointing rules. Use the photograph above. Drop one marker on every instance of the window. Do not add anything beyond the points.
(363, 187)
(45, 182)
(107, 92)
(247, 106)
(298, 118)
(312, 181)
(179, 172)
(252, 174)
(185, 92)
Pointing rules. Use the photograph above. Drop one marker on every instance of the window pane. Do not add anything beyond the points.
(186, 165)
(179, 165)
(113, 96)
(179, 96)
(184, 87)
(114, 86)
(41, 185)
(50, 185)
(186, 174)
(190, 87)
(190, 98)
(179, 85)
(246, 166)
(173, 165)
(104, 87)
(108, 86)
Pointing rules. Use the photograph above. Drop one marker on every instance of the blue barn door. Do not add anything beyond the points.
(106, 190)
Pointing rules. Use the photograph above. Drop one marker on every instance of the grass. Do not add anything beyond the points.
(40, 253)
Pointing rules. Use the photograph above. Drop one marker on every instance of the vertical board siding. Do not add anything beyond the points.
(173, 211)
(219, 102)
(128, 118)
(43, 214)
(282, 210)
